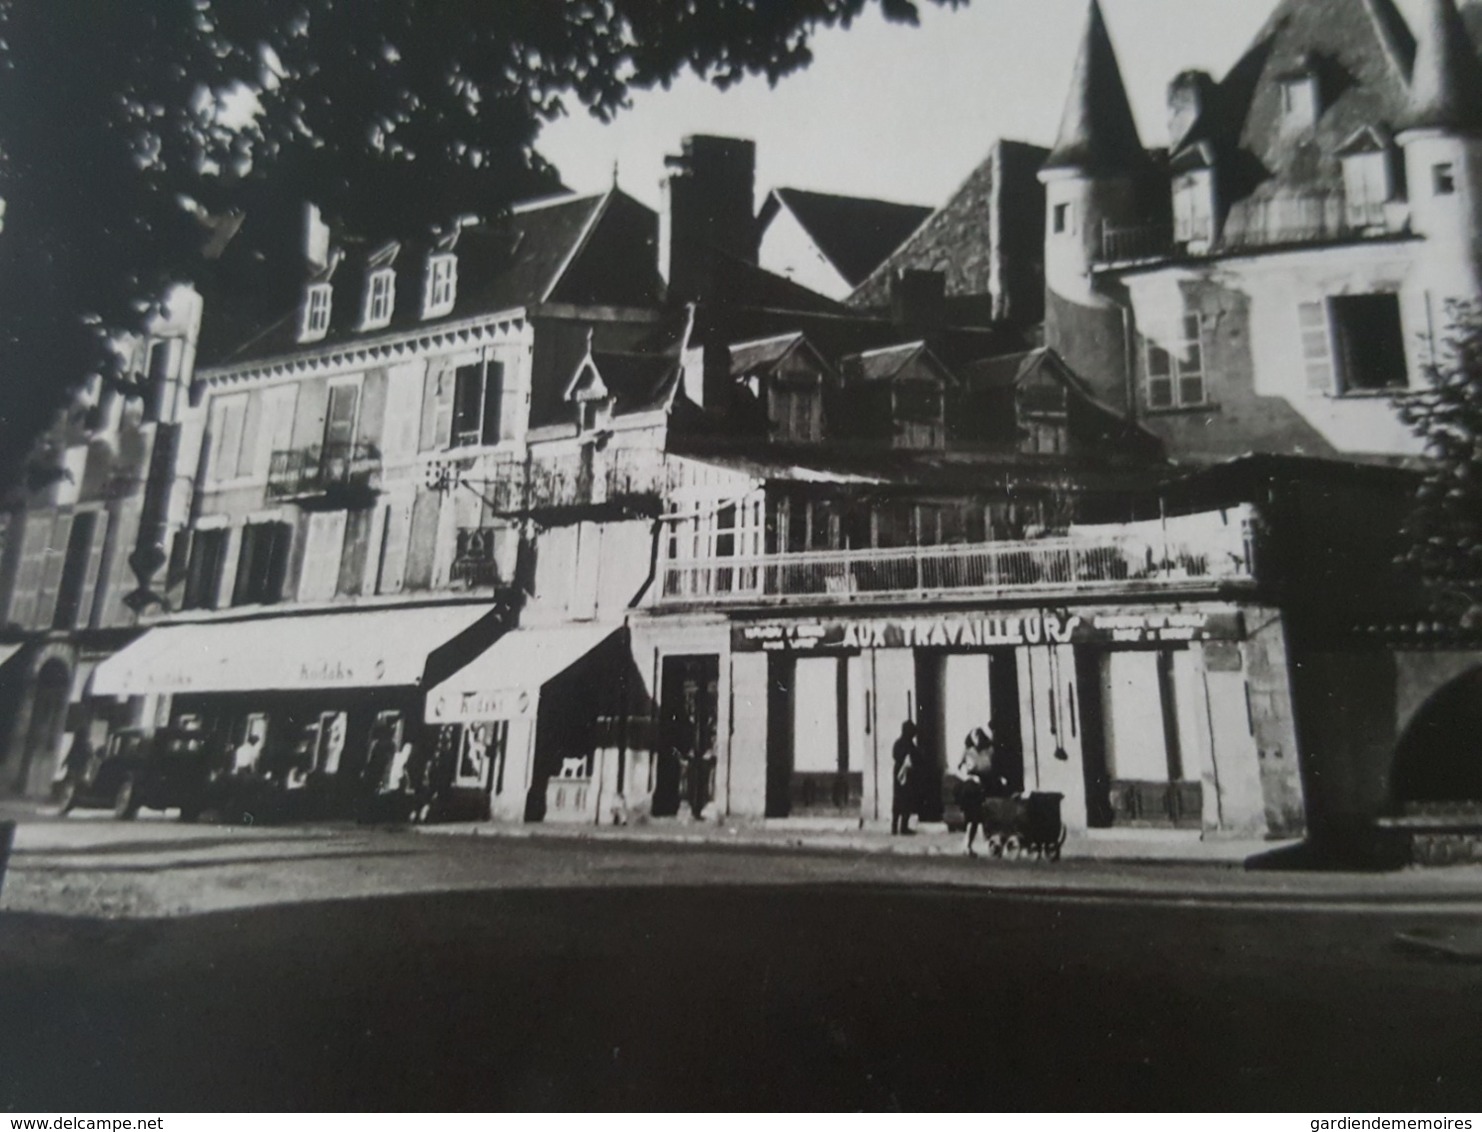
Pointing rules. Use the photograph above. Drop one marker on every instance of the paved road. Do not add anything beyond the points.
(406, 971)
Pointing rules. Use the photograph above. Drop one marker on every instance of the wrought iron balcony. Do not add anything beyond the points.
(1194, 554)
(321, 470)
(590, 478)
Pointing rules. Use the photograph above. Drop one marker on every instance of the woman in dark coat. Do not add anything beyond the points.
(981, 780)
(906, 757)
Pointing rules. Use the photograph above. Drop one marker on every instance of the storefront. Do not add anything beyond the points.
(1156, 716)
(536, 722)
(299, 701)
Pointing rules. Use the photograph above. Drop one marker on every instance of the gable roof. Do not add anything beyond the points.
(1097, 130)
(855, 234)
(888, 362)
(517, 260)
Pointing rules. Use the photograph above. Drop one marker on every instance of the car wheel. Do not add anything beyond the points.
(125, 803)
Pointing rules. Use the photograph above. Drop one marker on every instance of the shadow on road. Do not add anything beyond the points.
(744, 996)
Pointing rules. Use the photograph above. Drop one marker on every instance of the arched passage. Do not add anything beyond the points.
(1439, 757)
(44, 729)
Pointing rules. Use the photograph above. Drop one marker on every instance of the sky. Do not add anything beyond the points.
(902, 113)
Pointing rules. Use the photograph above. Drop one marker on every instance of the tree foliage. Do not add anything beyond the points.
(116, 138)
(1444, 530)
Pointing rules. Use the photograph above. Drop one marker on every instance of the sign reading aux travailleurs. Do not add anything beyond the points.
(987, 631)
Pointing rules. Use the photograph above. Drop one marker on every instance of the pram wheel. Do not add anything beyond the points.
(996, 845)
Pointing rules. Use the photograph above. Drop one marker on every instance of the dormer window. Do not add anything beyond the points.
(316, 312)
(1369, 181)
(1300, 100)
(380, 297)
(1193, 208)
(442, 285)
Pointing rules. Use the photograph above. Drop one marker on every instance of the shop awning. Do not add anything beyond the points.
(504, 681)
(369, 648)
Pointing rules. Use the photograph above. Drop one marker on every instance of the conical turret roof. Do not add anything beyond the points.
(1097, 131)
(1446, 83)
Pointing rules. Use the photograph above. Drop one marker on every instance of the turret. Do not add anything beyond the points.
(1441, 133)
(1093, 174)
(1094, 179)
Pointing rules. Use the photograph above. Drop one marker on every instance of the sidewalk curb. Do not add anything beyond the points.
(874, 845)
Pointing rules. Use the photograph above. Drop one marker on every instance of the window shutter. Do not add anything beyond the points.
(35, 536)
(393, 551)
(93, 579)
(278, 561)
(321, 568)
(1317, 348)
(51, 572)
(403, 410)
(120, 580)
(493, 402)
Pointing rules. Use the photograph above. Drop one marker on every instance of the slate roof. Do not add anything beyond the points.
(1097, 130)
(957, 239)
(639, 383)
(856, 234)
(1446, 83)
(506, 264)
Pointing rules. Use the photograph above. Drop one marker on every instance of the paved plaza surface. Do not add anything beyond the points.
(155, 965)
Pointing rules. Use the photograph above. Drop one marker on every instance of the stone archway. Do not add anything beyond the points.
(1439, 755)
(43, 735)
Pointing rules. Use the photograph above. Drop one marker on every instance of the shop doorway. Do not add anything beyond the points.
(1136, 706)
(1439, 757)
(44, 729)
(809, 771)
(689, 706)
(957, 693)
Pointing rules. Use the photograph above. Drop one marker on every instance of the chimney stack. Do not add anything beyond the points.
(316, 239)
(1189, 97)
(708, 207)
(918, 301)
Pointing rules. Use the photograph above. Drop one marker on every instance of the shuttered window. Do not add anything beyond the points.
(51, 571)
(262, 563)
(228, 420)
(35, 534)
(203, 572)
(1317, 347)
(324, 544)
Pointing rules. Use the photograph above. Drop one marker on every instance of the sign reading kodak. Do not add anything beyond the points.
(1035, 627)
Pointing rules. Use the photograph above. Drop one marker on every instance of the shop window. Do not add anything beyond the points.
(249, 740)
(478, 395)
(203, 570)
(1354, 344)
(1175, 371)
(480, 762)
(262, 563)
(329, 744)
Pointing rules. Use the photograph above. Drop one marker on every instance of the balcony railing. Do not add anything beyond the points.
(299, 473)
(1284, 219)
(1141, 556)
(584, 479)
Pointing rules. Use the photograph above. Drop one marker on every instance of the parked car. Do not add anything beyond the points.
(159, 770)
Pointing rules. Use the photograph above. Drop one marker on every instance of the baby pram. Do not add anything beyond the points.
(1024, 824)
